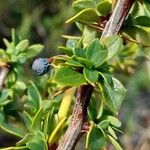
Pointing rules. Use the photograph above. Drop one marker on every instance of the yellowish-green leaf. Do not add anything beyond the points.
(95, 53)
(69, 77)
(88, 15)
(104, 7)
(52, 137)
(96, 139)
(90, 75)
(113, 44)
(114, 142)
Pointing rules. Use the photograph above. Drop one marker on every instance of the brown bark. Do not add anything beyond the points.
(78, 116)
(117, 18)
(3, 73)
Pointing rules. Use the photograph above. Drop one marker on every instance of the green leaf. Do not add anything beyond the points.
(91, 111)
(85, 62)
(37, 121)
(34, 50)
(15, 148)
(79, 52)
(10, 47)
(47, 117)
(13, 130)
(21, 58)
(138, 10)
(31, 136)
(141, 35)
(114, 142)
(69, 77)
(55, 131)
(19, 85)
(112, 133)
(118, 130)
(88, 15)
(65, 50)
(37, 142)
(4, 94)
(114, 94)
(71, 43)
(96, 139)
(3, 54)
(11, 78)
(113, 44)
(28, 137)
(82, 4)
(52, 122)
(21, 46)
(2, 117)
(104, 7)
(146, 5)
(88, 35)
(37, 145)
(15, 37)
(73, 62)
(34, 97)
(90, 75)
(95, 53)
(27, 119)
(6, 42)
(114, 121)
(143, 21)
(104, 124)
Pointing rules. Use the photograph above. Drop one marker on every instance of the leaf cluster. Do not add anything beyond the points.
(87, 60)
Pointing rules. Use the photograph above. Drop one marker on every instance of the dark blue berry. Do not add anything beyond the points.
(41, 66)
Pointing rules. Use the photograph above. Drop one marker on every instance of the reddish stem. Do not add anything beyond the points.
(117, 18)
(84, 94)
(52, 146)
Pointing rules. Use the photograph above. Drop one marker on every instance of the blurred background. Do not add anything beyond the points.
(43, 21)
(40, 21)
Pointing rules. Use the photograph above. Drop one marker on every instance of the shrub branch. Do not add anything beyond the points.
(85, 91)
(3, 73)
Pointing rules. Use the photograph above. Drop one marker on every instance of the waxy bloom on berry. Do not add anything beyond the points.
(41, 66)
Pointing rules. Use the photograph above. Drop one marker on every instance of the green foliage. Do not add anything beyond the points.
(113, 44)
(137, 23)
(34, 98)
(95, 139)
(96, 54)
(69, 77)
(17, 51)
(87, 15)
(114, 94)
(90, 75)
(87, 60)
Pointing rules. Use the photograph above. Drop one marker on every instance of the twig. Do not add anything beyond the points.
(134, 41)
(52, 146)
(118, 16)
(100, 29)
(94, 26)
(85, 91)
(78, 117)
(3, 73)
